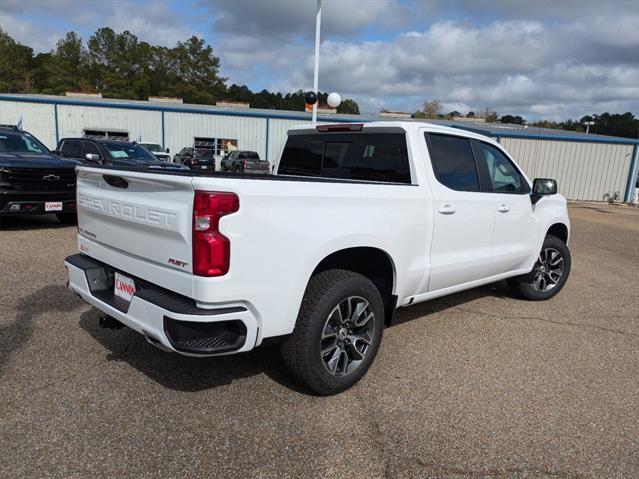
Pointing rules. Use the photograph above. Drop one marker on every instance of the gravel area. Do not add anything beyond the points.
(478, 384)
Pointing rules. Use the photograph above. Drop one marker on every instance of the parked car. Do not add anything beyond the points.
(32, 180)
(195, 158)
(157, 151)
(244, 162)
(111, 153)
(356, 221)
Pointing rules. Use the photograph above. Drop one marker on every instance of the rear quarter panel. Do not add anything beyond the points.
(284, 229)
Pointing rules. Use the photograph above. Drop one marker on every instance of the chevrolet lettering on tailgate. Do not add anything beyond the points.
(121, 209)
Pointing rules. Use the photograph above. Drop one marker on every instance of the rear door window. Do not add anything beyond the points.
(72, 148)
(453, 161)
(379, 157)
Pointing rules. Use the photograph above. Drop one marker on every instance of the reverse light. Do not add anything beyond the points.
(211, 249)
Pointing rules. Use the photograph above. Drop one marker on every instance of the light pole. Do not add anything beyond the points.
(588, 125)
(318, 25)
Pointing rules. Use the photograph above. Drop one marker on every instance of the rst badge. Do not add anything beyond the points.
(178, 262)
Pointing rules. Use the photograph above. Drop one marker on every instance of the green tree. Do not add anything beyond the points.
(67, 67)
(199, 70)
(16, 69)
(490, 116)
(431, 109)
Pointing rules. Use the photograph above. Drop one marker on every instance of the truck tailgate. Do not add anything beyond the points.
(145, 215)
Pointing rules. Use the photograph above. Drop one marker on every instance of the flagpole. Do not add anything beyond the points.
(318, 23)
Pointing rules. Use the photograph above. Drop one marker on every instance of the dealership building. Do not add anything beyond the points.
(586, 166)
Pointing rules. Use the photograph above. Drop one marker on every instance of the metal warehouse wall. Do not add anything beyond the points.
(181, 128)
(583, 170)
(74, 119)
(38, 119)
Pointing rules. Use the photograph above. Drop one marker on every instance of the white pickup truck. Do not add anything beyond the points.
(355, 221)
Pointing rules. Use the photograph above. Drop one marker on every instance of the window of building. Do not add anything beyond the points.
(107, 135)
(218, 146)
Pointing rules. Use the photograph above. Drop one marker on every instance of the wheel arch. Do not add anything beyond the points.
(559, 230)
(373, 263)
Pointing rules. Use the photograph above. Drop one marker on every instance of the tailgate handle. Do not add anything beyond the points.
(116, 181)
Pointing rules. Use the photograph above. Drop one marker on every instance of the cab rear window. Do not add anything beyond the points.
(379, 157)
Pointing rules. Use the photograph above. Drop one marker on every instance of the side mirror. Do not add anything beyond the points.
(92, 157)
(168, 150)
(543, 187)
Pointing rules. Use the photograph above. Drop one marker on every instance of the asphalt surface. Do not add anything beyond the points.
(478, 384)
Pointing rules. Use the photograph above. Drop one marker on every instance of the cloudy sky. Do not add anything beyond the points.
(551, 59)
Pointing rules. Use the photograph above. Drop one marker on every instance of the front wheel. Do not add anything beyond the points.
(338, 332)
(549, 274)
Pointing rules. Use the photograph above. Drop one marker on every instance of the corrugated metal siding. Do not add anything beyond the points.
(584, 171)
(37, 119)
(144, 125)
(182, 128)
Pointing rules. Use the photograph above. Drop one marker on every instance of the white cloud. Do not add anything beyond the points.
(546, 58)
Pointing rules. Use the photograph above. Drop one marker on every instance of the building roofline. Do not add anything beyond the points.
(484, 129)
(170, 108)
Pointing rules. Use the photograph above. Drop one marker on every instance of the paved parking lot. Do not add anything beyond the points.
(478, 384)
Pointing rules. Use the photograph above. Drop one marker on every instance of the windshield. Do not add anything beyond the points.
(152, 147)
(128, 151)
(20, 143)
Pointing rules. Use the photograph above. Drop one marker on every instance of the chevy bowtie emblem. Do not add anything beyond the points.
(51, 178)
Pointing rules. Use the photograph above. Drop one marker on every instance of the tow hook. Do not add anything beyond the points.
(108, 322)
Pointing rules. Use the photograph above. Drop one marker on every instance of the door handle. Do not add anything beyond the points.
(447, 209)
(503, 208)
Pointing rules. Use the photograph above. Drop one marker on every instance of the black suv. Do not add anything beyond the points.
(196, 158)
(111, 152)
(32, 179)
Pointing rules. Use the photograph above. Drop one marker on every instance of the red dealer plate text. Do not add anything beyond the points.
(124, 287)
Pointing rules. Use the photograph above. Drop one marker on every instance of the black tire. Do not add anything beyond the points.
(524, 286)
(67, 218)
(325, 293)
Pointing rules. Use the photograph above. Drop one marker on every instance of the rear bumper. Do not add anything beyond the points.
(27, 203)
(167, 320)
(207, 167)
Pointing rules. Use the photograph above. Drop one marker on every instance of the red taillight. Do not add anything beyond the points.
(245, 164)
(340, 127)
(211, 249)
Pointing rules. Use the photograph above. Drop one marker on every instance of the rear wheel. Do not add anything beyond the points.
(338, 332)
(67, 218)
(549, 274)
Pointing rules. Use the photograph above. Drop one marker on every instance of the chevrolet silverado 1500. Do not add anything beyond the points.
(355, 221)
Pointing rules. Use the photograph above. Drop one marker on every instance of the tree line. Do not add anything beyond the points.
(615, 124)
(119, 65)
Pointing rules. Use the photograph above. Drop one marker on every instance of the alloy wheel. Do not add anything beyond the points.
(548, 269)
(347, 336)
